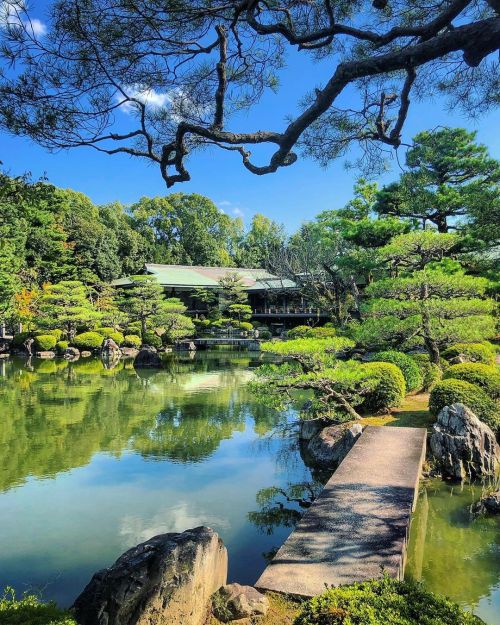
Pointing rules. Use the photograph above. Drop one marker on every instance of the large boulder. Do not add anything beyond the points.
(168, 580)
(234, 602)
(309, 428)
(110, 350)
(147, 357)
(72, 353)
(462, 445)
(327, 448)
(489, 504)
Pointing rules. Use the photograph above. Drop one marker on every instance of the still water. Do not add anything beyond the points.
(94, 461)
(454, 552)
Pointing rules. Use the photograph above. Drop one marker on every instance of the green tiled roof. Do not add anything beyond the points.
(187, 276)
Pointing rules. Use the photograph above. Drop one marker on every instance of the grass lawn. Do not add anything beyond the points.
(413, 413)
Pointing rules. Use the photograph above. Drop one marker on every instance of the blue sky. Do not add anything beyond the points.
(290, 196)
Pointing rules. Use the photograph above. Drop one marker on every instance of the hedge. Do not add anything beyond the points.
(409, 368)
(57, 333)
(453, 391)
(31, 611)
(474, 352)
(484, 376)
(61, 346)
(390, 390)
(45, 342)
(105, 332)
(383, 602)
(88, 341)
(322, 332)
(117, 337)
(132, 340)
(429, 371)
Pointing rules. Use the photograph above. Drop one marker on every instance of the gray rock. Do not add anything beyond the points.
(72, 353)
(148, 357)
(167, 580)
(47, 355)
(458, 360)
(110, 349)
(86, 354)
(462, 445)
(330, 446)
(234, 602)
(186, 346)
(129, 352)
(489, 504)
(310, 427)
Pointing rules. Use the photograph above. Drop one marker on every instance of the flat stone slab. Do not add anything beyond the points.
(358, 526)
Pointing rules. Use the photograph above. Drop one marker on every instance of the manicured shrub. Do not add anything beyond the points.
(88, 341)
(453, 391)
(57, 333)
(106, 332)
(299, 332)
(322, 332)
(390, 389)
(45, 342)
(245, 326)
(429, 371)
(19, 338)
(61, 347)
(117, 337)
(132, 340)
(31, 611)
(484, 376)
(265, 334)
(152, 339)
(409, 368)
(382, 602)
(474, 352)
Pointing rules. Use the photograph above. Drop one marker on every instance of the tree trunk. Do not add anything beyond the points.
(143, 327)
(430, 343)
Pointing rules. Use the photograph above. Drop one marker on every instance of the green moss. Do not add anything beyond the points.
(31, 611)
(453, 391)
(409, 368)
(382, 602)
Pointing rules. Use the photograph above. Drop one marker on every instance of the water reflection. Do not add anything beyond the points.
(454, 552)
(94, 460)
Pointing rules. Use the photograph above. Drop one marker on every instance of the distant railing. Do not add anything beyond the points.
(288, 310)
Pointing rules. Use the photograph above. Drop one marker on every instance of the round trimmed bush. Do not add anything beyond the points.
(473, 352)
(152, 339)
(453, 391)
(299, 332)
(429, 371)
(245, 326)
(56, 332)
(132, 340)
(409, 368)
(484, 376)
(88, 341)
(265, 334)
(45, 342)
(389, 390)
(383, 602)
(105, 332)
(117, 337)
(61, 346)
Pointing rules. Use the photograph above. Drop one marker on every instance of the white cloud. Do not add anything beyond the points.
(224, 203)
(237, 212)
(150, 97)
(13, 13)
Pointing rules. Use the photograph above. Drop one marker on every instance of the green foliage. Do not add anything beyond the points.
(143, 301)
(177, 326)
(61, 347)
(409, 368)
(266, 335)
(31, 611)
(152, 339)
(117, 337)
(430, 372)
(245, 326)
(321, 332)
(232, 292)
(19, 338)
(311, 352)
(105, 332)
(45, 342)
(132, 340)
(486, 377)
(475, 352)
(453, 391)
(382, 602)
(88, 341)
(241, 312)
(66, 304)
(262, 240)
(389, 390)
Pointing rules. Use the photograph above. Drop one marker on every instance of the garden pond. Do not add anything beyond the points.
(96, 460)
